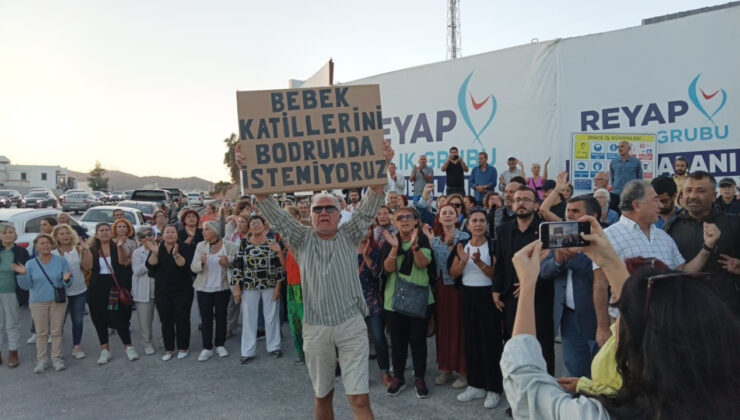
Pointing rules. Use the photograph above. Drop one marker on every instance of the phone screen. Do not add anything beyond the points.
(563, 234)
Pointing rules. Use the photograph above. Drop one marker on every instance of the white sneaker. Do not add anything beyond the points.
(78, 354)
(131, 353)
(222, 352)
(31, 339)
(40, 366)
(492, 400)
(471, 394)
(58, 364)
(148, 349)
(166, 356)
(204, 355)
(105, 357)
(183, 354)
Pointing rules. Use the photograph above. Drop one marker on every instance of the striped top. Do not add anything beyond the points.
(330, 281)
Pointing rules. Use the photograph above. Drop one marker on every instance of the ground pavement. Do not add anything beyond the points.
(266, 388)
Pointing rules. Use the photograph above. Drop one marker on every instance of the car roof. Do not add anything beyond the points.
(6, 214)
(136, 202)
(112, 208)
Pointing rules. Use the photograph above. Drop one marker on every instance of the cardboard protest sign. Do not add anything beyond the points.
(311, 139)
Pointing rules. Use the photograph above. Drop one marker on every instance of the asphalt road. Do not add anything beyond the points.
(219, 388)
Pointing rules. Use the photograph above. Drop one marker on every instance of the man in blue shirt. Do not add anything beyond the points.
(624, 169)
(483, 178)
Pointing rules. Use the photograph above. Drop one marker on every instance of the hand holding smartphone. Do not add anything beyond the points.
(564, 234)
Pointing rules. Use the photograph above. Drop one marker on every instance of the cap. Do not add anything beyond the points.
(548, 185)
(726, 182)
(510, 157)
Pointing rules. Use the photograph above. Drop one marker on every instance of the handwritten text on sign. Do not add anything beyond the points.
(311, 139)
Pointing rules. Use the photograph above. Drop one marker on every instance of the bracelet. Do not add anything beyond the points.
(708, 249)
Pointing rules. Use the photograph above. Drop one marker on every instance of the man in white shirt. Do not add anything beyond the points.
(349, 210)
(396, 181)
(635, 235)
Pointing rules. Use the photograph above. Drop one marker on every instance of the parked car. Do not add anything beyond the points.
(79, 202)
(39, 199)
(128, 194)
(27, 223)
(195, 199)
(117, 196)
(102, 214)
(163, 198)
(99, 195)
(178, 195)
(9, 198)
(147, 208)
(66, 193)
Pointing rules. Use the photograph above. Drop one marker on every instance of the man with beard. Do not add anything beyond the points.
(511, 237)
(665, 187)
(680, 172)
(691, 224)
(505, 213)
(349, 210)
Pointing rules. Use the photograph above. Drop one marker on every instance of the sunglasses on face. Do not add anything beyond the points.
(456, 205)
(404, 217)
(320, 209)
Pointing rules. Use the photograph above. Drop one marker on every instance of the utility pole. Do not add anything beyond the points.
(454, 49)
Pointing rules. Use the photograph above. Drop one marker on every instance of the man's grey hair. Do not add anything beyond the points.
(632, 191)
(602, 192)
(319, 196)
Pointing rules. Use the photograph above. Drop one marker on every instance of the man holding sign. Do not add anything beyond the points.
(333, 304)
(317, 139)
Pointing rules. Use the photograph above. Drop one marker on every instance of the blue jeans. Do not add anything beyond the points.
(578, 351)
(76, 310)
(376, 326)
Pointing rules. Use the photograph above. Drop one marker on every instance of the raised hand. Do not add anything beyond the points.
(463, 255)
(19, 268)
(238, 156)
(711, 234)
(414, 236)
(428, 232)
(390, 239)
(151, 247)
(527, 262)
(476, 256)
(223, 261)
(175, 249)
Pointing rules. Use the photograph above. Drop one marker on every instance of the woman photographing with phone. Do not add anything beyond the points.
(663, 354)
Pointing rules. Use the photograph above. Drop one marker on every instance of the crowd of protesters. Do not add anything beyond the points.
(647, 314)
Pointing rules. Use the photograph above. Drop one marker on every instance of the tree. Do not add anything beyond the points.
(221, 187)
(95, 180)
(230, 159)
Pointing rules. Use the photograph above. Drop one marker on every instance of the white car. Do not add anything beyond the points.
(104, 214)
(195, 199)
(27, 223)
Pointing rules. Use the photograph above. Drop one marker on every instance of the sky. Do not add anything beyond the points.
(149, 87)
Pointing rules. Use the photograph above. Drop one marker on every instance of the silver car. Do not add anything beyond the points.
(27, 223)
(79, 202)
(104, 214)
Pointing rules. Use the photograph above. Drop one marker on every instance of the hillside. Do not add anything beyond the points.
(125, 181)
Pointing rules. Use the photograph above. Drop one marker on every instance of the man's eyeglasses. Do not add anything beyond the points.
(404, 217)
(320, 209)
(705, 277)
(523, 200)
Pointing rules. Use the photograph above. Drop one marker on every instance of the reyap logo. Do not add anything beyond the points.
(708, 104)
(485, 116)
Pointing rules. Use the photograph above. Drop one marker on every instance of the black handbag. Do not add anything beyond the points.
(410, 299)
(60, 294)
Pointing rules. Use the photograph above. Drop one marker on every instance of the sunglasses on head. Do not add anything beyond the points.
(705, 277)
(320, 209)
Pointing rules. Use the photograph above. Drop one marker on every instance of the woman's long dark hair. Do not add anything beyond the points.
(679, 359)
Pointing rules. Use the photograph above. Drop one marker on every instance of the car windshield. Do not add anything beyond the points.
(37, 194)
(5, 193)
(78, 195)
(157, 195)
(104, 215)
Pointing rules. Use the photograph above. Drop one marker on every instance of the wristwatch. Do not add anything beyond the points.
(708, 249)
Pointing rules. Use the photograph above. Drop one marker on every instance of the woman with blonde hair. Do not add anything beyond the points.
(78, 256)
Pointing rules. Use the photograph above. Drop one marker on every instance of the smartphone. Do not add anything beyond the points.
(563, 234)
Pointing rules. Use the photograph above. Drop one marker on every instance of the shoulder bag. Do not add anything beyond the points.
(124, 296)
(410, 299)
(60, 295)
